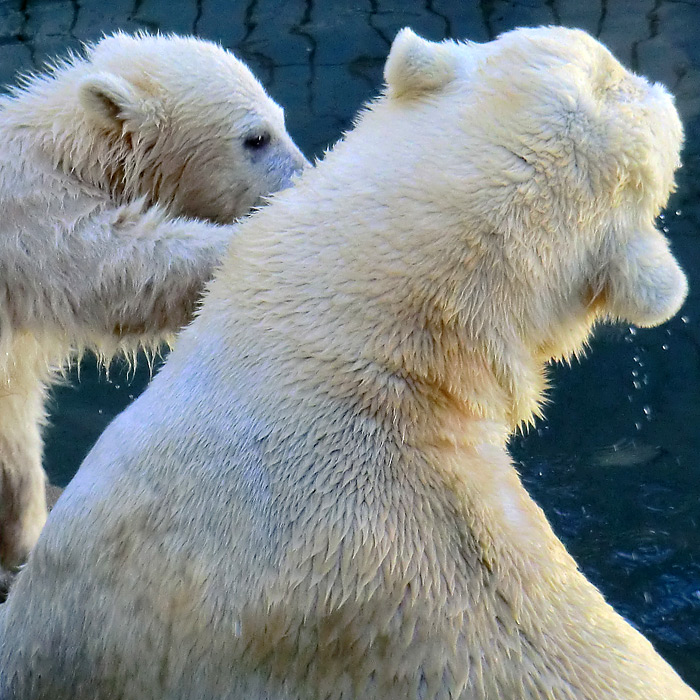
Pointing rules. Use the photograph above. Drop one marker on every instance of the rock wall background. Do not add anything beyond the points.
(616, 465)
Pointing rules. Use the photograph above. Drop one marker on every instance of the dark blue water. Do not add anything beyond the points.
(615, 466)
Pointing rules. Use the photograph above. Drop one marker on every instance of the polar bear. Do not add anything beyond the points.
(101, 161)
(314, 498)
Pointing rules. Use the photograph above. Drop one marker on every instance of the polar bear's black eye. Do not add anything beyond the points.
(255, 143)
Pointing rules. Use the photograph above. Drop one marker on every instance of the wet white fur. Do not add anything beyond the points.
(97, 159)
(314, 499)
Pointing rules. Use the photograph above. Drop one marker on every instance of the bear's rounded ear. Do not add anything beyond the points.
(643, 284)
(417, 66)
(112, 102)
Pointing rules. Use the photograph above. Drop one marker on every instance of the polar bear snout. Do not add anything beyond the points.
(284, 165)
(645, 285)
(294, 171)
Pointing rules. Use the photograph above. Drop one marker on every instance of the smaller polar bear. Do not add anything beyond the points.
(314, 498)
(101, 160)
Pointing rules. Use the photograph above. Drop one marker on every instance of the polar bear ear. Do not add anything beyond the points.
(113, 103)
(644, 284)
(416, 66)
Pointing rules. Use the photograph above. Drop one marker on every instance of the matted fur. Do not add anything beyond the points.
(98, 159)
(314, 499)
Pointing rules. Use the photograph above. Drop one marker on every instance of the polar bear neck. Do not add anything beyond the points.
(410, 356)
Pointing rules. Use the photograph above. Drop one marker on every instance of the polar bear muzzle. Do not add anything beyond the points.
(643, 283)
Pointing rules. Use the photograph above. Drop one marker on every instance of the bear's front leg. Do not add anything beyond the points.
(22, 482)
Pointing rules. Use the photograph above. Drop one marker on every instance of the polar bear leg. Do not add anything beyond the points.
(129, 273)
(136, 280)
(22, 480)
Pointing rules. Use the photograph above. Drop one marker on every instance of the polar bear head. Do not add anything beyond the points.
(559, 161)
(520, 179)
(178, 120)
(566, 159)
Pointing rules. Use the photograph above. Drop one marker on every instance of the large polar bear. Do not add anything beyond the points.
(97, 159)
(314, 499)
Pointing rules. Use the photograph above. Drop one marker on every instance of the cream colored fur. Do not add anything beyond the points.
(97, 159)
(314, 499)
